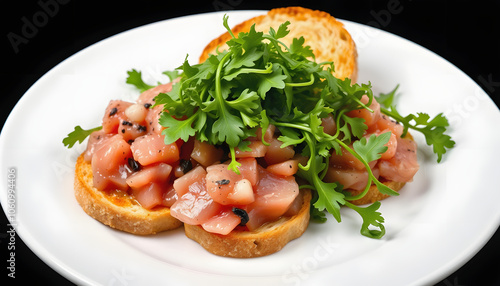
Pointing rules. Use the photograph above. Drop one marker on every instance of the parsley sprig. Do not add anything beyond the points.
(78, 135)
(433, 129)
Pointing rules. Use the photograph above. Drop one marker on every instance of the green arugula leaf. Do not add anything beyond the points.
(289, 137)
(371, 149)
(251, 39)
(177, 128)
(172, 75)
(356, 125)
(370, 218)
(229, 129)
(317, 215)
(135, 78)
(247, 59)
(328, 196)
(433, 129)
(297, 47)
(247, 102)
(78, 135)
(386, 99)
(266, 82)
(282, 31)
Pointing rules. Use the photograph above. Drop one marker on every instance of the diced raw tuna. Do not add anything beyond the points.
(369, 117)
(347, 160)
(206, 154)
(130, 131)
(268, 135)
(286, 168)
(349, 178)
(276, 154)
(403, 165)
(181, 185)
(151, 148)
(386, 123)
(169, 196)
(258, 149)
(273, 197)
(114, 115)
(229, 188)
(196, 206)
(152, 120)
(329, 125)
(95, 141)
(222, 223)
(158, 173)
(147, 97)
(110, 164)
(149, 195)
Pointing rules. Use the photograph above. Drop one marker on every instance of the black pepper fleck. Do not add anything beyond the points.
(242, 214)
(134, 165)
(222, 182)
(185, 165)
(147, 105)
(113, 111)
(141, 128)
(124, 122)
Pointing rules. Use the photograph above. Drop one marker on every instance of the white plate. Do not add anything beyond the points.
(437, 223)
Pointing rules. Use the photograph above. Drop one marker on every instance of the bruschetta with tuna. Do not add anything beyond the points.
(123, 179)
(248, 146)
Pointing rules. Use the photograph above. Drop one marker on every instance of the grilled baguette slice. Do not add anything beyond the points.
(118, 210)
(268, 239)
(326, 36)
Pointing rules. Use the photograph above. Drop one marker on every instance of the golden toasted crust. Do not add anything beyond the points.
(326, 36)
(266, 240)
(118, 210)
(374, 195)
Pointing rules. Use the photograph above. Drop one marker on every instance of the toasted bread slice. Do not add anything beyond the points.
(118, 210)
(326, 36)
(266, 240)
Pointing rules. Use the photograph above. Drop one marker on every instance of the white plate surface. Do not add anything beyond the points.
(437, 223)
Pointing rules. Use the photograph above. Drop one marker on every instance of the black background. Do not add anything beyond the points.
(463, 32)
